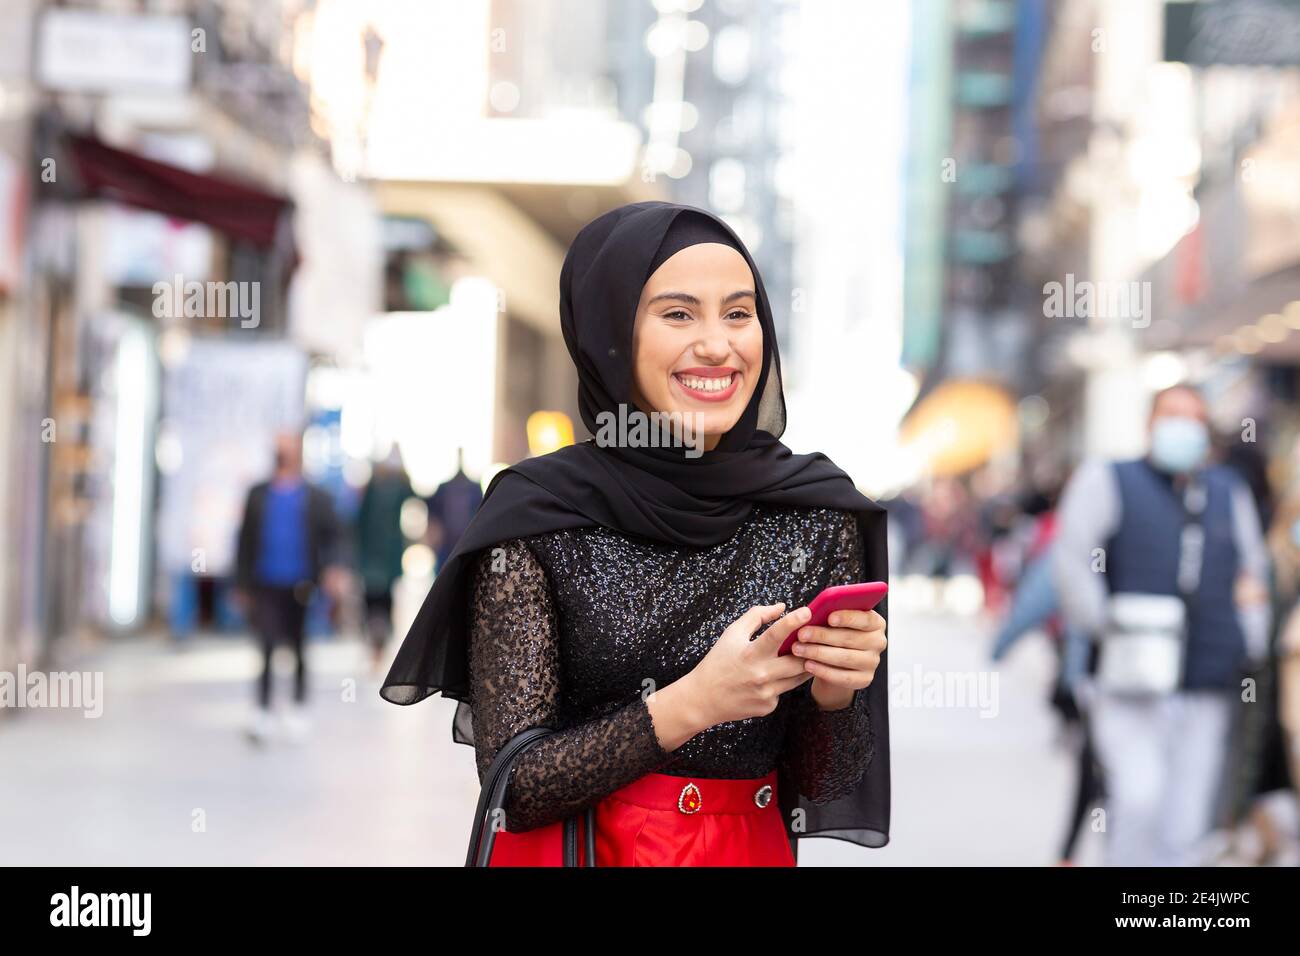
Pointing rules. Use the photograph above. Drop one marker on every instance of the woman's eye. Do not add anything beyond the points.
(739, 314)
(677, 314)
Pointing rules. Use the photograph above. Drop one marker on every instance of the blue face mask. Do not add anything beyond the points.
(1179, 444)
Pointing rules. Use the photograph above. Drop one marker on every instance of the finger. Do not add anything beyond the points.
(760, 614)
(834, 636)
(858, 620)
(839, 676)
(782, 629)
(784, 667)
(852, 658)
(844, 637)
(790, 683)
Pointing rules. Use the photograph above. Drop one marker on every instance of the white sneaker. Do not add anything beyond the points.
(296, 724)
(261, 727)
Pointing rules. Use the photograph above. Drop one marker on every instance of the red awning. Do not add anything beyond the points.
(239, 211)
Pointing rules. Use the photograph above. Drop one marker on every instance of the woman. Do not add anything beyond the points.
(610, 590)
(380, 545)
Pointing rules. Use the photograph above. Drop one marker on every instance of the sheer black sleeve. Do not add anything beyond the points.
(826, 752)
(515, 684)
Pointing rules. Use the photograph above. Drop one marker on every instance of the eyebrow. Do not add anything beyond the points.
(692, 300)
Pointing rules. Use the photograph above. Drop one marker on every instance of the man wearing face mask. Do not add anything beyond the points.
(1162, 560)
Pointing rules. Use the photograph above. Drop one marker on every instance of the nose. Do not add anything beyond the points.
(713, 346)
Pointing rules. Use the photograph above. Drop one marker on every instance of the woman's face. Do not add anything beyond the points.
(697, 340)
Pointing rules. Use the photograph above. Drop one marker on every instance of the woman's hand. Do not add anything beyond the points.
(842, 657)
(742, 678)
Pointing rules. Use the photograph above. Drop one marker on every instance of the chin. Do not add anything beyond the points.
(715, 419)
(714, 422)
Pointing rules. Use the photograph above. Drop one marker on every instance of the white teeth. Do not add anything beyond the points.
(705, 384)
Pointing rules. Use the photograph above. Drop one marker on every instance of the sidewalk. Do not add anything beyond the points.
(378, 784)
(372, 783)
(969, 790)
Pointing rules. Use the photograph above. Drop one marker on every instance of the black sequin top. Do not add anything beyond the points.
(572, 629)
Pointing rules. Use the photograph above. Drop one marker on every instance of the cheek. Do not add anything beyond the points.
(654, 358)
(751, 351)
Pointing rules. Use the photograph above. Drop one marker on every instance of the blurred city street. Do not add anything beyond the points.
(371, 783)
(374, 784)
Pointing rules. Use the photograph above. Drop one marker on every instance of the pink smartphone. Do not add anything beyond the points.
(841, 597)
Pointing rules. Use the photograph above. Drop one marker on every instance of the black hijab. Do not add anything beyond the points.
(660, 494)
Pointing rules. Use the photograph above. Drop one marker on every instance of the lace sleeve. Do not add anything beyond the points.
(827, 751)
(515, 684)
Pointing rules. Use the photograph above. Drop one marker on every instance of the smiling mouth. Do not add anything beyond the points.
(708, 385)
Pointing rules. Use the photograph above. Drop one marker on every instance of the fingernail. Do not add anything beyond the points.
(835, 620)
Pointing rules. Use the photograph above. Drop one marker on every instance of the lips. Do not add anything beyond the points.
(708, 384)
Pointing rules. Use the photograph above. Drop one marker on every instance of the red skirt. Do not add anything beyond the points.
(664, 820)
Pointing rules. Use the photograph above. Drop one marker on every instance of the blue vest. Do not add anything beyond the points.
(1142, 556)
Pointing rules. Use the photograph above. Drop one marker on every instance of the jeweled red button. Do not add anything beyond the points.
(690, 799)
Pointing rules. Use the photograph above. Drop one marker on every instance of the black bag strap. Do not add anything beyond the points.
(1191, 540)
(1191, 553)
(492, 796)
